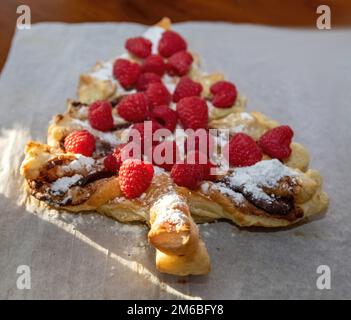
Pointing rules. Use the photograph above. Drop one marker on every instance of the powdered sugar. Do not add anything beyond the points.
(142, 196)
(168, 210)
(175, 217)
(221, 137)
(238, 128)
(205, 187)
(170, 83)
(62, 185)
(246, 116)
(158, 170)
(83, 112)
(81, 163)
(154, 35)
(108, 137)
(104, 72)
(264, 174)
(117, 119)
(235, 196)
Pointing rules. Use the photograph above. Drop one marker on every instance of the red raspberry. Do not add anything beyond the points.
(224, 94)
(243, 151)
(133, 107)
(114, 160)
(193, 113)
(135, 177)
(204, 162)
(221, 86)
(82, 142)
(145, 140)
(194, 142)
(187, 175)
(207, 171)
(165, 116)
(110, 163)
(100, 115)
(170, 43)
(179, 64)
(139, 46)
(276, 142)
(126, 72)
(145, 79)
(162, 152)
(154, 64)
(157, 94)
(186, 88)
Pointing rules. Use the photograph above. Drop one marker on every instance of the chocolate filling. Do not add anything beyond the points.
(93, 177)
(40, 189)
(53, 163)
(78, 104)
(277, 205)
(121, 126)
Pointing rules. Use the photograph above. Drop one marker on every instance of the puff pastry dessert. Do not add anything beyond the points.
(255, 175)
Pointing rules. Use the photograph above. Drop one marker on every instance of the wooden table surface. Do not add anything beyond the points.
(297, 13)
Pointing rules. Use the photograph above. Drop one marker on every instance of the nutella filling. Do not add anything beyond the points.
(275, 205)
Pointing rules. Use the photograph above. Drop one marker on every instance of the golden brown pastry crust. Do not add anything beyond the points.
(205, 206)
(170, 211)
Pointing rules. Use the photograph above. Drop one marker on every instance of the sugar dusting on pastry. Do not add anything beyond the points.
(154, 35)
(62, 185)
(264, 174)
(104, 72)
(168, 210)
(80, 163)
(108, 137)
(235, 196)
(158, 170)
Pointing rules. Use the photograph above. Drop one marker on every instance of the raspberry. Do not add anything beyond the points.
(276, 142)
(170, 43)
(114, 160)
(100, 115)
(204, 162)
(139, 46)
(145, 140)
(133, 107)
(145, 79)
(126, 72)
(82, 142)
(179, 64)
(193, 113)
(110, 163)
(207, 171)
(192, 142)
(161, 152)
(154, 64)
(187, 175)
(157, 94)
(186, 88)
(224, 94)
(135, 177)
(165, 116)
(243, 151)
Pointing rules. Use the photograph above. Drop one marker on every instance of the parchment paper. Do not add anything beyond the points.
(298, 77)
